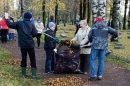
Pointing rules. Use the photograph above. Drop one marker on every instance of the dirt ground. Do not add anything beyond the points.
(113, 75)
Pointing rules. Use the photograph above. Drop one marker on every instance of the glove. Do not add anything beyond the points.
(55, 50)
(6, 15)
(115, 38)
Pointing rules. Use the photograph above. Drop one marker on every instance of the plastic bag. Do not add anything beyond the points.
(67, 60)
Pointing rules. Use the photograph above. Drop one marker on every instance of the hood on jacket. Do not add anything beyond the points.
(100, 25)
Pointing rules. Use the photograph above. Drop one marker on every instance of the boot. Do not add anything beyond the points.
(23, 72)
(34, 75)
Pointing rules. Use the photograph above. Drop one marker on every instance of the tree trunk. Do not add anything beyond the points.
(129, 10)
(124, 23)
(65, 19)
(94, 9)
(89, 11)
(43, 13)
(81, 10)
(102, 8)
(84, 8)
(58, 18)
(116, 12)
(56, 12)
(115, 16)
(22, 9)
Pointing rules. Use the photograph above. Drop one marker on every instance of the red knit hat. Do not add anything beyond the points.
(98, 19)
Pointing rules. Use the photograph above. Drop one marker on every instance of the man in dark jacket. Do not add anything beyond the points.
(99, 38)
(49, 46)
(26, 31)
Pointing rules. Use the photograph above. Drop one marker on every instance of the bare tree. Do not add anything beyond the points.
(84, 8)
(88, 11)
(56, 11)
(129, 16)
(124, 23)
(81, 9)
(43, 12)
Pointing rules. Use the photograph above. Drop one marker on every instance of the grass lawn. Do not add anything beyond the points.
(10, 75)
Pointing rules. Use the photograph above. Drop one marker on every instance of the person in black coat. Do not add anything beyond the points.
(77, 26)
(49, 46)
(26, 31)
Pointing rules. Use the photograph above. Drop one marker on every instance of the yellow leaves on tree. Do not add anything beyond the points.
(49, 6)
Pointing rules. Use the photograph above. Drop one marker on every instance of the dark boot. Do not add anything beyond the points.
(34, 75)
(23, 72)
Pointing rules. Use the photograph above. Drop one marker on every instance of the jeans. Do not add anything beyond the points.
(31, 53)
(11, 36)
(4, 36)
(49, 61)
(100, 53)
(38, 39)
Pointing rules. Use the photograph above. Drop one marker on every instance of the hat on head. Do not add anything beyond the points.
(28, 15)
(98, 19)
(51, 24)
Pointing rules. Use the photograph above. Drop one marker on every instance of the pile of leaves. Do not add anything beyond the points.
(6, 84)
(66, 81)
(67, 43)
(13, 61)
(5, 75)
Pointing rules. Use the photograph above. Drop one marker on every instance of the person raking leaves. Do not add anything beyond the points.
(26, 31)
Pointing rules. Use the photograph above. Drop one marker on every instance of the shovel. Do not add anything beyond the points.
(57, 40)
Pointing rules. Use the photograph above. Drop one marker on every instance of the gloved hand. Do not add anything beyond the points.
(55, 50)
(6, 15)
(57, 40)
(115, 38)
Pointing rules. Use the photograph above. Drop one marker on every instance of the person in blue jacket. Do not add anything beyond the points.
(26, 31)
(98, 35)
(49, 46)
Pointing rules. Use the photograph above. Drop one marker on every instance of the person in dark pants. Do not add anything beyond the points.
(4, 30)
(82, 38)
(84, 58)
(77, 25)
(49, 46)
(52, 20)
(26, 31)
(39, 26)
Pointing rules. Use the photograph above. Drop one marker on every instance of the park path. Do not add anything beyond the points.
(113, 75)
